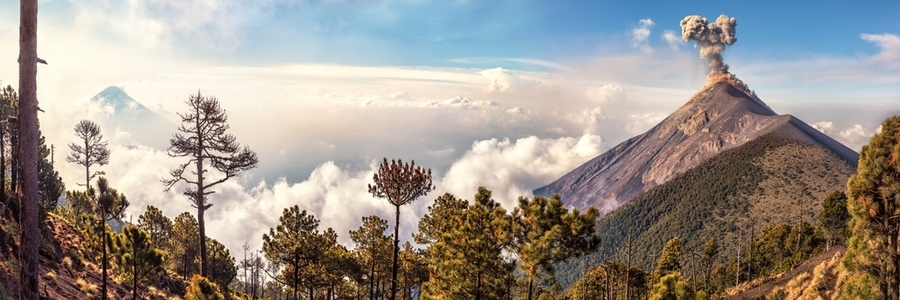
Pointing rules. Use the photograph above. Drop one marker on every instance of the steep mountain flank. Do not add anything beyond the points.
(779, 177)
(721, 116)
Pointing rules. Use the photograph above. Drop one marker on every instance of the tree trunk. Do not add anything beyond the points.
(3, 163)
(134, 276)
(396, 254)
(530, 282)
(105, 261)
(372, 277)
(200, 198)
(28, 152)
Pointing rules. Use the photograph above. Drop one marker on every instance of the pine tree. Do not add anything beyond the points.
(185, 251)
(158, 226)
(50, 185)
(137, 256)
(546, 233)
(9, 102)
(202, 138)
(297, 244)
(874, 206)
(93, 152)
(834, 216)
(465, 253)
(668, 261)
(400, 184)
(222, 269)
(371, 244)
(202, 289)
(110, 205)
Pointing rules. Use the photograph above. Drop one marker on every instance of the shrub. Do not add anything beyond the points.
(202, 289)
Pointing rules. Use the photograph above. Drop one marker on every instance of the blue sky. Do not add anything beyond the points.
(506, 94)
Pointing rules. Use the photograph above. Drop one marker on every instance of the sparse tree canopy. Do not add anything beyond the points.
(874, 206)
(203, 140)
(400, 184)
(93, 151)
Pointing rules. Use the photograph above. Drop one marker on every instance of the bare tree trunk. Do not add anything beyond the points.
(396, 254)
(28, 152)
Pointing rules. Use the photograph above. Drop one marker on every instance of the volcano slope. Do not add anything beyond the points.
(724, 165)
(721, 116)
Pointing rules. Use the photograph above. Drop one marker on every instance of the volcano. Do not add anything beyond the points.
(142, 124)
(723, 115)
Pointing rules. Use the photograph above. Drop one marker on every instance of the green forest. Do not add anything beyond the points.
(464, 248)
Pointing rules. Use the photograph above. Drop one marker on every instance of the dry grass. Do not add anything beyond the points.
(67, 261)
(821, 283)
(87, 288)
(51, 275)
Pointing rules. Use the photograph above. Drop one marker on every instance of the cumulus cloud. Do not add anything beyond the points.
(505, 81)
(640, 123)
(640, 34)
(514, 168)
(854, 136)
(889, 45)
(605, 94)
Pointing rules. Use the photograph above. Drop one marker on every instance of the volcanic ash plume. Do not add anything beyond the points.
(711, 37)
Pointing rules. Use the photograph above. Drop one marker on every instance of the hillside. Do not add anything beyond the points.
(67, 270)
(723, 115)
(779, 177)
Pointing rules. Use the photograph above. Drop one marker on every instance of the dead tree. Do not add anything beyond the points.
(203, 140)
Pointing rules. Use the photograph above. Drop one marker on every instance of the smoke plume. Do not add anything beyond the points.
(711, 38)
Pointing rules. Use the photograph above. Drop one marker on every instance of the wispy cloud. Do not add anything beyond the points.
(640, 34)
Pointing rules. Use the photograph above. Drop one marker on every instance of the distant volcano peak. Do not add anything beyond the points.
(117, 97)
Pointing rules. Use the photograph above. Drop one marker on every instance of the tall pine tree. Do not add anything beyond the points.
(874, 206)
(203, 140)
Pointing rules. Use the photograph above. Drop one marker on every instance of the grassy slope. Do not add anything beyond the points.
(772, 179)
(67, 271)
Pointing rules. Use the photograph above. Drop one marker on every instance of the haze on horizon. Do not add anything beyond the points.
(506, 94)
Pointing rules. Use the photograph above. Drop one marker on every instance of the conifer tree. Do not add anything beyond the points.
(160, 227)
(110, 205)
(668, 261)
(371, 246)
(465, 250)
(222, 269)
(138, 257)
(185, 251)
(546, 233)
(874, 206)
(400, 184)
(92, 151)
(9, 102)
(27, 124)
(834, 216)
(203, 140)
(50, 185)
(297, 244)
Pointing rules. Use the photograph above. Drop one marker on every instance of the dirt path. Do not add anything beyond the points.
(806, 266)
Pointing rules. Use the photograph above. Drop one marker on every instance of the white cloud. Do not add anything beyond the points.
(512, 169)
(605, 94)
(889, 45)
(640, 34)
(825, 127)
(640, 123)
(672, 39)
(504, 81)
